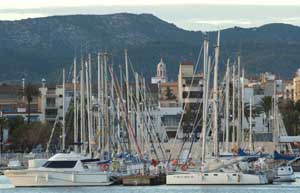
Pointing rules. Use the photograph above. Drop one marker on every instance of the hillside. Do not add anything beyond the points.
(40, 47)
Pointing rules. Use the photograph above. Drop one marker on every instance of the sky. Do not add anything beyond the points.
(203, 15)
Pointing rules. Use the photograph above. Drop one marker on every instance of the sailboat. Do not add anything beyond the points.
(214, 170)
(67, 169)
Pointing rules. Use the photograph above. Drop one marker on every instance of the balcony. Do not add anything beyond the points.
(50, 106)
(50, 117)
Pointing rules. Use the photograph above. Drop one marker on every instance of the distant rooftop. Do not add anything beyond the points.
(186, 63)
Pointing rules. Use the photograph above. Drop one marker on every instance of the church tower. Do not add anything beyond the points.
(161, 73)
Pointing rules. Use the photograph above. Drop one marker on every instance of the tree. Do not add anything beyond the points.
(266, 105)
(25, 137)
(291, 115)
(255, 111)
(297, 106)
(29, 92)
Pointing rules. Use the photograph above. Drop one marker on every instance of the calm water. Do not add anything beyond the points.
(283, 188)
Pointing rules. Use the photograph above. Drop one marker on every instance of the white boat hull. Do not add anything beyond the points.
(28, 178)
(219, 178)
(285, 178)
(285, 174)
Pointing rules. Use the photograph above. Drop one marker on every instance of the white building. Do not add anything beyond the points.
(52, 101)
(190, 85)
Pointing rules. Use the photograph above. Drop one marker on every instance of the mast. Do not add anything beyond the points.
(63, 121)
(99, 100)
(106, 119)
(146, 137)
(75, 108)
(112, 110)
(250, 126)
(82, 110)
(138, 119)
(121, 132)
(238, 129)
(215, 98)
(88, 105)
(102, 95)
(233, 106)
(243, 104)
(204, 116)
(276, 132)
(127, 92)
(127, 81)
(227, 106)
(121, 81)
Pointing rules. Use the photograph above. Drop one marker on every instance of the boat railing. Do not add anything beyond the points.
(22, 157)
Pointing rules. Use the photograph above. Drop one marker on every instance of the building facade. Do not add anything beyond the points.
(13, 104)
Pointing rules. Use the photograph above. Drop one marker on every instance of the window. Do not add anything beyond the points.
(60, 164)
(50, 102)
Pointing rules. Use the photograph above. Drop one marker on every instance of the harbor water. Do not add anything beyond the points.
(282, 188)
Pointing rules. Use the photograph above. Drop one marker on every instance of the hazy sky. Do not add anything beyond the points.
(188, 14)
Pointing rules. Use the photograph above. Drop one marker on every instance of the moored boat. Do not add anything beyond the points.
(63, 169)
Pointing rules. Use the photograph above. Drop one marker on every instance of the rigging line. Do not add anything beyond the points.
(114, 106)
(153, 135)
(152, 126)
(184, 108)
(194, 130)
(197, 122)
(127, 119)
(160, 146)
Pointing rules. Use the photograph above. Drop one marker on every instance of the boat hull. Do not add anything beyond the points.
(144, 180)
(27, 178)
(285, 178)
(217, 178)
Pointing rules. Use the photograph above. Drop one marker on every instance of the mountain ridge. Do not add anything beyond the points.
(39, 47)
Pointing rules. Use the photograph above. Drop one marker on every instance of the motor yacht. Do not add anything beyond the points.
(63, 169)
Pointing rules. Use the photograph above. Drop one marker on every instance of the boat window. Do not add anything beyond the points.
(215, 174)
(205, 174)
(233, 174)
(60, 164)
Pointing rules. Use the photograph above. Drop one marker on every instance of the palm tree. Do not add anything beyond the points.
(256, 110)
(30, 92)
(266, 105)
